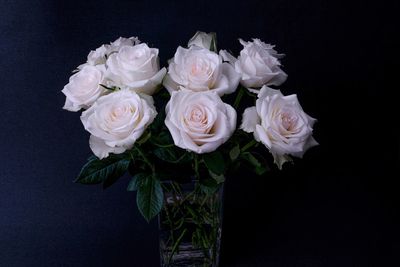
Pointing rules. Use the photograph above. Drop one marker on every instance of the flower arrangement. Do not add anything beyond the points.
(162, 137)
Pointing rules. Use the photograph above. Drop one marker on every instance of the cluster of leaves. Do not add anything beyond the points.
(154, 158)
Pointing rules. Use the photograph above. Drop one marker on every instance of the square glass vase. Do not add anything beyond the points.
(190, 224)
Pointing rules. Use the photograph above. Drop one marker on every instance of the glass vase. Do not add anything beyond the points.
(190, 224)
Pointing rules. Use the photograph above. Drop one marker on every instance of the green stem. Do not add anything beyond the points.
(249, 145)
(145, 159)
(178, 241)
(238, 97)
(163, 146)
(204, 201)
(171, 224)
(176, 192)
(196, 166)
(131, 155)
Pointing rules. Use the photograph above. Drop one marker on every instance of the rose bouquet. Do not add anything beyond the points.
(179, 143)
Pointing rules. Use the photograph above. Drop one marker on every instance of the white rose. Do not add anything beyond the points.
(280, 123)
(121, 42)
(135, 67)
(100, 54)
(204, 40)
(199, 122)
(84, 87)
(97, 56)
(199, 69)
(258, 64)
(117, 120)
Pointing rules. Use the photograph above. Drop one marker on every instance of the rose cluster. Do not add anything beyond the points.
(115, 89)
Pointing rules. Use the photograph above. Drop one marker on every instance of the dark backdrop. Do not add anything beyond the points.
(336, 207)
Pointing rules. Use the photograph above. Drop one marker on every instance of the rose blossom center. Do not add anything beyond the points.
(199, 67)
(288, 120)
(117, 112)
(196, 119)
(197, 115)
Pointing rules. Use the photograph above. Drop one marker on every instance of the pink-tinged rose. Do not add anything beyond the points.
(136, 68)
(99, 55)
(198, 69)
(199, 121)
(117, 120)
(258, 64)
(280, 123)
(84, 88)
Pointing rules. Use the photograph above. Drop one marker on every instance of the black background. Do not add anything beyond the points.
(336, 207)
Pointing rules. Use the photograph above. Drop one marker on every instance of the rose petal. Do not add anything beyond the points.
(226, 56)
(228, 82)
(250, 120)
(101, 150)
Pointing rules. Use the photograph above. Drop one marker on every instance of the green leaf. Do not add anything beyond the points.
(213, 45)
(92, 157)
(234, 153)
(113, 88)
(163, 139)
(208, 186)
(110, 180)
(171, 155)
(96, 171)
(132, 168)
(158, 122)
(261, 170)
(146, 136)
(149, 197)
(215, 162)
(219, 178)
(136, 181)
(259, 162)
(251, 159)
